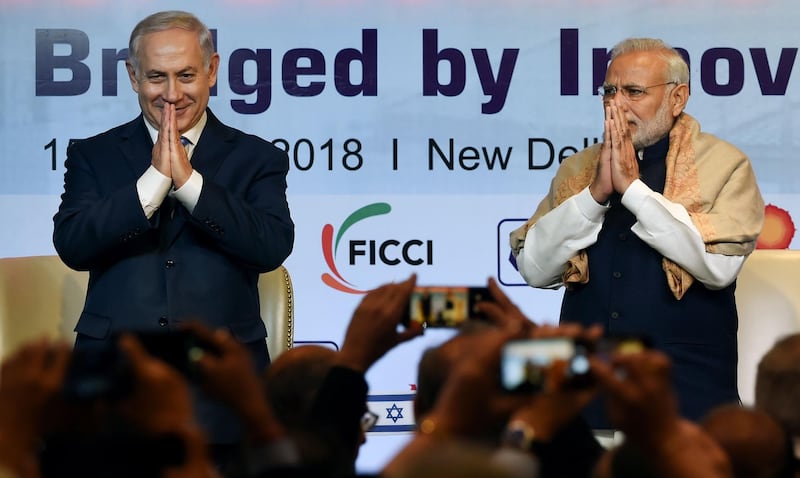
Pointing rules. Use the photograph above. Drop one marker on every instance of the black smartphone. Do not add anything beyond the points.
(98, 371)
(445, 306)
(524, 362)
(103, 370)
(180, 349)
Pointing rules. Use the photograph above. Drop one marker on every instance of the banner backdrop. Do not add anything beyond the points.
(419, 132)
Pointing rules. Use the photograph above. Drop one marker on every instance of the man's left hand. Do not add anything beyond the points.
(180, 166)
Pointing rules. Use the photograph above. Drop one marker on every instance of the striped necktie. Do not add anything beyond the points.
(168, 206)
(186, 142)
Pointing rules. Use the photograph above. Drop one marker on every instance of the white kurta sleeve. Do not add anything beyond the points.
(558, 236)
(666, 227)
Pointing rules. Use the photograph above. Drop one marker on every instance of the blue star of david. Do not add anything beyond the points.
(395, 413)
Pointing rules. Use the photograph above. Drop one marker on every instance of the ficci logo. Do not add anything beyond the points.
(390, 252)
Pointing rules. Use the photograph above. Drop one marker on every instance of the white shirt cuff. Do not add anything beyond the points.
(591, 209)
(189, 193)
(152, 187)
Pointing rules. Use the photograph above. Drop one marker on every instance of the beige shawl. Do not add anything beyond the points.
(711, 178)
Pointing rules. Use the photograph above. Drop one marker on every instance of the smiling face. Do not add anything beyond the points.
(171, 70)
(651, 116)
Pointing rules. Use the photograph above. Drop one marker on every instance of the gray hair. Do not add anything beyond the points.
(167, 20)
(677, 69)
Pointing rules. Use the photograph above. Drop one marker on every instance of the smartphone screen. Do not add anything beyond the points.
(609, 346)
(446, 306)
(524, 362)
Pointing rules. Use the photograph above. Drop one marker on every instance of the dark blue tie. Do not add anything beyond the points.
(168, 205)
(186, 142)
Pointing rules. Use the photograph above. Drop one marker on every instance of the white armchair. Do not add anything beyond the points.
(40, 295)
(768, 301)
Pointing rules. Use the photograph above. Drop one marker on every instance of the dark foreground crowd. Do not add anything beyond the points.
(131, 414)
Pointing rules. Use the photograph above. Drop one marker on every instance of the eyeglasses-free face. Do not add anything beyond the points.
(368, 421)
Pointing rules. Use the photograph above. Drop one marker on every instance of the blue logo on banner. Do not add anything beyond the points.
(507, 272)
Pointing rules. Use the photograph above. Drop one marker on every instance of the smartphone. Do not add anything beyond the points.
(103, 370)
(98, 371)
(445, 306)
(524, 362)
(620, 344)
(180, 349)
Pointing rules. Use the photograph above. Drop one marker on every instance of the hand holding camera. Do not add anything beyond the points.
(526, 363)
(445, 306)
(31, 379)
(104, 370)
(374, 328)
(555, 371)
(159, 400)
(228, 374)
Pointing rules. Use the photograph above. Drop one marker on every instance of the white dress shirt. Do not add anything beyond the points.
(153, 186)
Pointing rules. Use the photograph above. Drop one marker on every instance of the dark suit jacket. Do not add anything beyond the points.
(152, 274)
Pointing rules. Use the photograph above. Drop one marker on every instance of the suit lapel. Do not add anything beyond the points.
(136, 146)
(214, 146)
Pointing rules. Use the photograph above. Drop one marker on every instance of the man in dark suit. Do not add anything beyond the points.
(174, 214)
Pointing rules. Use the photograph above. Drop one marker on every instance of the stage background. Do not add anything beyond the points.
(437, 125)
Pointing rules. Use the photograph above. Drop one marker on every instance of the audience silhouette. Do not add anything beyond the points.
(468, 425)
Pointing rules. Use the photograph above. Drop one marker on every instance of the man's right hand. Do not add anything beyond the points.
(602, 186)
(161, 150)
(624, 162)
(169, 154)
(373, 329)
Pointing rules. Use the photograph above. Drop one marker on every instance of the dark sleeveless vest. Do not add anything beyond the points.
(627, 293)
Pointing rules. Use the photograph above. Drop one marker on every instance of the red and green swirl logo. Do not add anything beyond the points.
(330, 245)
